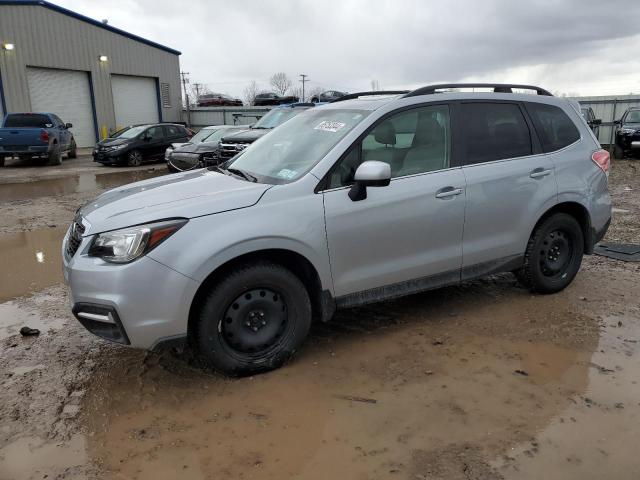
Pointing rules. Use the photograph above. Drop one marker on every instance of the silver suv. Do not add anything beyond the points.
(367, 198)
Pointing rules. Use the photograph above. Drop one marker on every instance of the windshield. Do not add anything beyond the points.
(276, 117)
(129, 132)
(216, 135)
(633, 116)
(292, 149)
(203, 134)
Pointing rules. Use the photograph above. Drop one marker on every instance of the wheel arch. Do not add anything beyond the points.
(577, 211)
(322, 302)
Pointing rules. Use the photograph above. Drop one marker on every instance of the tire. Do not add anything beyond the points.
(253, 320)
(553, 256)
(1, 161)
(314, 100)
(618, 152)
(134, 158)
(55, 156)
(171, 168)
(73, 150)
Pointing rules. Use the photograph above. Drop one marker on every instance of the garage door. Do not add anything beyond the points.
(67, 94)
(135, 100)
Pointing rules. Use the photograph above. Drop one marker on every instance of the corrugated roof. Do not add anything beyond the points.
(93, 22)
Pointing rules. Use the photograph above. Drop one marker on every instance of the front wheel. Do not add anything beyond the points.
(553, 256)
(134, 158)
(253, 320)
(1, 160)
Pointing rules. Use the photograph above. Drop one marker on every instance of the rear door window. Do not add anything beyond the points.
(172, 131)
(31, 120)
(555, 129)
(494, 131)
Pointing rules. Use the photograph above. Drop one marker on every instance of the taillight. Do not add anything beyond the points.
(602, 159)
(44, 136)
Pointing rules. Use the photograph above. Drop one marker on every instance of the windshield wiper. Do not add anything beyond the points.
(243, 174)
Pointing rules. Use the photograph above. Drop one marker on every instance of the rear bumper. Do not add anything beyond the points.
(30, 150)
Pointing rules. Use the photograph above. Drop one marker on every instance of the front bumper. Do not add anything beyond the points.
(141, 303)
(108, 158)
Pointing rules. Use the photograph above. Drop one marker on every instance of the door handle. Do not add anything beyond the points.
(447, 192)
(539, 173)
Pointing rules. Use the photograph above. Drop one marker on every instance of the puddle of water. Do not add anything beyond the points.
(33, 457)
(597, 435)
(30, 261)
(13, 317)
(84, 182)
(350, 406)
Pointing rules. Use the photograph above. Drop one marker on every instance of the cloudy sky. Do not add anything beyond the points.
(586, 47)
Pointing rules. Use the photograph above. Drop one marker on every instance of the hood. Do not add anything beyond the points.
(180, 145)
(246, 136)
(203, 147)
(111, 142)
(187, 195)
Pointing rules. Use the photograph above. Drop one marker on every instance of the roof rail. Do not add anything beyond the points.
(351, 96)
(497, 88)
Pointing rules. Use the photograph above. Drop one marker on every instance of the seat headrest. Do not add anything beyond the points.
(428, 132)
(385, 133)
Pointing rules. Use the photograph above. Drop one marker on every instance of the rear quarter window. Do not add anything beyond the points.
(555, 129)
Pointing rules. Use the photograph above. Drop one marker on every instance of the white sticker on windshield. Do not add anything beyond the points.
(329, 126)
(286, 173)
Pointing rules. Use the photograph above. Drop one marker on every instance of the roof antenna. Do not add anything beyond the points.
(105, 21)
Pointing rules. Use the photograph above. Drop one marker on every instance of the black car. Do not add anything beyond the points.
(218, 100)
(265, 99)
(137, 143)
(327, 96)
(202, 154)
(590, 117)
(230, 145)
(628, 134)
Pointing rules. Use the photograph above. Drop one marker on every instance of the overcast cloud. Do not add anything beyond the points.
(575, 46)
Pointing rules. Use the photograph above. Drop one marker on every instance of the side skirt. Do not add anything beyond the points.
(423, 284)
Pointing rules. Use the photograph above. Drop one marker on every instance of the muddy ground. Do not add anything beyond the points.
(480, 381)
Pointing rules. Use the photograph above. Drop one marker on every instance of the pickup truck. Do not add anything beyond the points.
(36, 135)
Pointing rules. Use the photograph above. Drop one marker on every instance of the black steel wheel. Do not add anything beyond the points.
(554, 254)
(253, 320)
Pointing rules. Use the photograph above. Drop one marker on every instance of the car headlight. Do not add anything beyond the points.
(127, 244)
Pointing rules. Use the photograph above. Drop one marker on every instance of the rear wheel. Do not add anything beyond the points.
(134, 158)
(253, 320)
(554, 254)
(1, 160)
(55, 155)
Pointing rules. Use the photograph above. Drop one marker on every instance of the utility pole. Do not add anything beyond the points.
(197, 87)
(303, 79)
(185, 80)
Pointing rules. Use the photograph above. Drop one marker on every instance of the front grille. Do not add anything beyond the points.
(75, 237)
(228, 150)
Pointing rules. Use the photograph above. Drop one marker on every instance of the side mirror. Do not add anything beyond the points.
(68, 125)
(596, 121)
(369, 174)
(617, 122)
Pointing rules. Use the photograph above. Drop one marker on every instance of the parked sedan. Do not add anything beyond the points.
(263, 99)
(628, 134)
(327, 96)
(201, 136)
(218, 100)
(202, 153)
(137, 143)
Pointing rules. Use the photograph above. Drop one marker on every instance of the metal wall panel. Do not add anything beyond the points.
(47, 38)
(204, 116)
